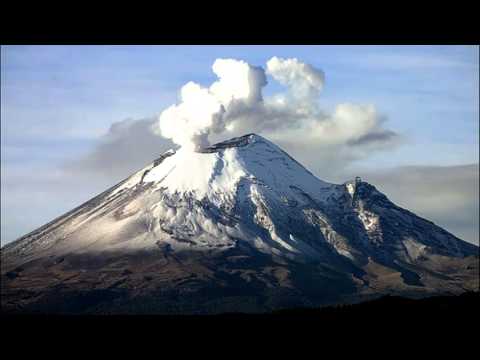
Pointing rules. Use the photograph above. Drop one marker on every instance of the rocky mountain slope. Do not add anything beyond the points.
(238, 226)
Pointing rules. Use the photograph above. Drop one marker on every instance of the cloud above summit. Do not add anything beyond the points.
(234, 105)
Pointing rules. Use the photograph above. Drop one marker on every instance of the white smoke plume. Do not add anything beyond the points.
(202, 110)
(234, 105)
(304, 80)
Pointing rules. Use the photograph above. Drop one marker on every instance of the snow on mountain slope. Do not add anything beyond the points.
(254, 170)
(243, 189)
(219, 172)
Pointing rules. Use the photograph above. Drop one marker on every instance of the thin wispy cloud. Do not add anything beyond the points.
(412, 61)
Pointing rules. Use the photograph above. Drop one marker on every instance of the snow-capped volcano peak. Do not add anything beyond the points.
(228, 191)
(239, 212)
(215, 172)
(244, 189)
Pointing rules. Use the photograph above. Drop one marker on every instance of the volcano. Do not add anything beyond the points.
(239, 226)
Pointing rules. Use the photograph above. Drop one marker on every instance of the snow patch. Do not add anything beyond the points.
(414, 249)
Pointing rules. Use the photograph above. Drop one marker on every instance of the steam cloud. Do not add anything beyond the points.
(234, 105)
(203, 110)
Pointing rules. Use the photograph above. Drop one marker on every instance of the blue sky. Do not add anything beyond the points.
(58, 101)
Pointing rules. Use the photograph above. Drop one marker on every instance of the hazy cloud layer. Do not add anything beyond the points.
(35, 195)
(127, 147)
(448, 196)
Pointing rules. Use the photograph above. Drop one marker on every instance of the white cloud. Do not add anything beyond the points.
(403, 62)
(127, 147)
